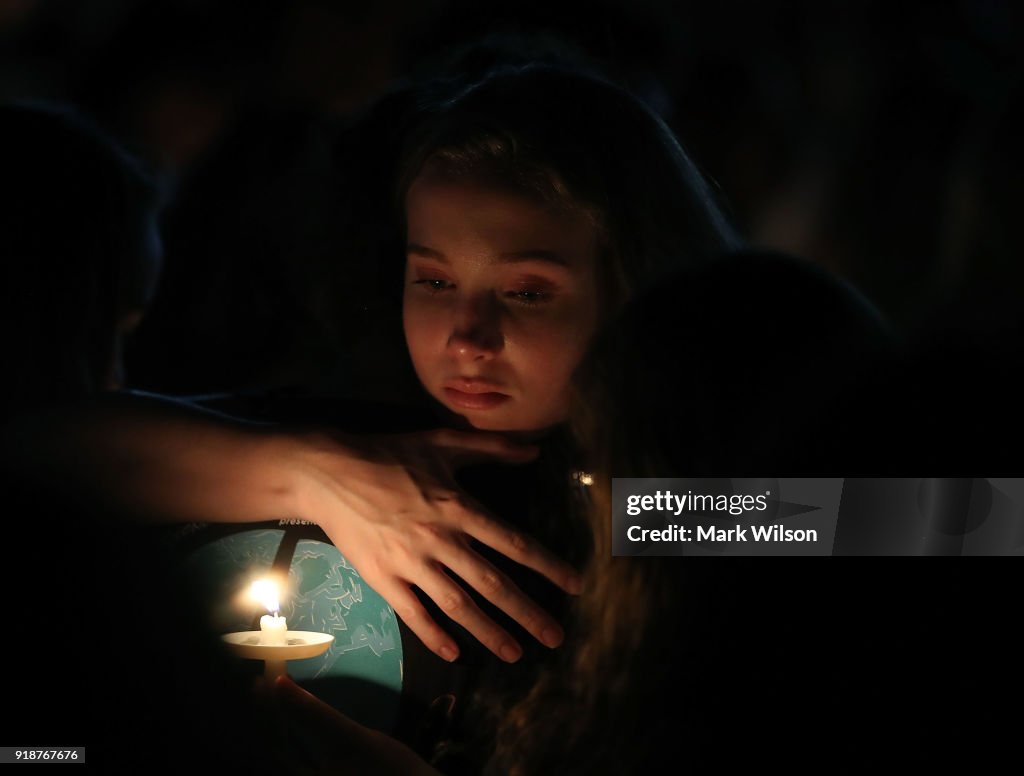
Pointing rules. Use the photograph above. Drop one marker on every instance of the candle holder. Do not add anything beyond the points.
(298, 646)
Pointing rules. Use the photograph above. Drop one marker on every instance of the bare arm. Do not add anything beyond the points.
(389, 503)
(159, 458)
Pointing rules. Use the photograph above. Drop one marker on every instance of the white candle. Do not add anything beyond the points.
(273, 630)
(273, 627)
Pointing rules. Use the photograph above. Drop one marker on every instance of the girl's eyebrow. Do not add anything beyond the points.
(513, 257)
(534, 254)
(428, 253)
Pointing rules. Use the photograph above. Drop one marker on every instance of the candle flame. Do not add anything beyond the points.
(265, 591)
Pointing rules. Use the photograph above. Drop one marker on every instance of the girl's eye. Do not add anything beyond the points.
(434, 285)
(528, 296)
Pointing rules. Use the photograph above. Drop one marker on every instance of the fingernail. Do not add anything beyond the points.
(551, 637)
(509, 653)
(575, 584)
(449, 653)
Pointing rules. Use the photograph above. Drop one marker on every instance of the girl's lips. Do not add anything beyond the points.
(477, 400)
(472, 385)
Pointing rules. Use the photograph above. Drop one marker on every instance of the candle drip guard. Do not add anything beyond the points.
(298, 646)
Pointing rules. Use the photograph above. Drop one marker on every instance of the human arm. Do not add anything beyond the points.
(389, 503)
(156, 458)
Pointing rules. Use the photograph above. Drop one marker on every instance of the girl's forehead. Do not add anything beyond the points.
(445, 216)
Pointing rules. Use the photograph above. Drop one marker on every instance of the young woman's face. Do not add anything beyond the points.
(501, 302)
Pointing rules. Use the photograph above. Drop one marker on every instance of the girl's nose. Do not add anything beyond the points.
(476, 333)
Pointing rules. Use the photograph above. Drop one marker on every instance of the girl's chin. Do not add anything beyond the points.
(522, 431)
(500, 423)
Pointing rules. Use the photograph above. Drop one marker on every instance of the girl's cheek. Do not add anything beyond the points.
(425, 320)
(548, 355)
(417, 303)
(561, 323)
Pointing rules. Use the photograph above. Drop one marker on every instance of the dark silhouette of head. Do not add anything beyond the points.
(80, 256)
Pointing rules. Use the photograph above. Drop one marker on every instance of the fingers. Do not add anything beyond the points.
(501, 591)
(408, 607)
(471, 446)
(457, 604)
(521, 548)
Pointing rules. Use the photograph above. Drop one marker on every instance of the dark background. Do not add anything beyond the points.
(876, 139)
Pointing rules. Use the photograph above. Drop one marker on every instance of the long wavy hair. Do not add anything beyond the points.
(714, 373)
